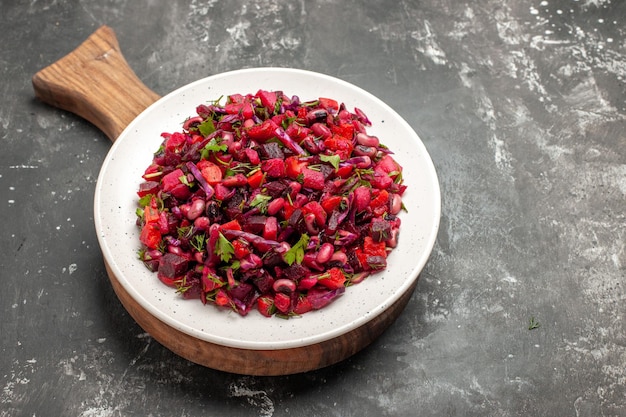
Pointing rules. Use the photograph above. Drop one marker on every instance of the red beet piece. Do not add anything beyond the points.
(172, 265)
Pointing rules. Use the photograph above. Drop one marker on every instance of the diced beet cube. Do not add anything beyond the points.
(194, 289)
(222, 192)
(270, 229)
(274, 168)
(376, 262)
(271, 150)
(263, 282)
(297, 131)
(169, 158)
(263, 131)
(296, 271)
(171, 180)
(237, 180)
(362, 198)
(253, 156)
(389, 165)
(380, 230)
(255, 224)
(312, 179)
(279, 119)
(148, 187)
(175, 141)
(236, 98)
(275, 188)
(268, 99)
(241, 291)
(381, 179)
(172, 265)
(295, 218)
(167, 222)
(152, 264)
(334, 220)
(181, 192)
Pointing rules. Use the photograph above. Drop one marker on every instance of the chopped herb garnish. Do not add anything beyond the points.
(223, 248)
(287, 121)
(312, 103)
(260, 201)
(182, 286)
(206, 128)
(241, 167)
(213, 146)
(398, 176)
(184, 232)
(331, 159)
(198, 242)
(145, 200)
(152, 175)
(360, 172)
(183, 179)
(296, 253)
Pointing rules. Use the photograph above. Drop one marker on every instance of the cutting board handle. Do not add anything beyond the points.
(95, 82)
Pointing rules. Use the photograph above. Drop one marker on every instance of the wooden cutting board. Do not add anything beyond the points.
(96, 83)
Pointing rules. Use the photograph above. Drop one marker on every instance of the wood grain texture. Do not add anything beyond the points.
(95, 82)
(260, 362)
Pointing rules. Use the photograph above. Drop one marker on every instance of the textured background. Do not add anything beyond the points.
(521, 105)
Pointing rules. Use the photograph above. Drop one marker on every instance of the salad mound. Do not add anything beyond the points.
(269, 202)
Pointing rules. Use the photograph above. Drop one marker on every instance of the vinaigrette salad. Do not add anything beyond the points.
(271, 203)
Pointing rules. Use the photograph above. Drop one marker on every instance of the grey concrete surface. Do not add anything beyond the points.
(521, 105)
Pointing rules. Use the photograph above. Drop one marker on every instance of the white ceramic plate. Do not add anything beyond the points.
(115, 204)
